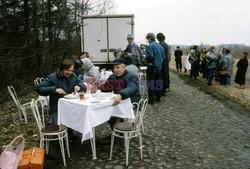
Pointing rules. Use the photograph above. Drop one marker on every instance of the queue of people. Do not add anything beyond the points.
(156, 57)
(212, 66)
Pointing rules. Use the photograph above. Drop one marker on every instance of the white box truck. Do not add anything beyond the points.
(101, 35)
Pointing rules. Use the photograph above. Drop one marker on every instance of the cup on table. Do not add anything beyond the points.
(81, 96)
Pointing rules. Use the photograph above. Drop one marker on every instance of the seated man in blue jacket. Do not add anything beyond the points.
(61, 82)
(123, 83)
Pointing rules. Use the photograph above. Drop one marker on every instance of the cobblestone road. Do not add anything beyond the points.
(188, 129)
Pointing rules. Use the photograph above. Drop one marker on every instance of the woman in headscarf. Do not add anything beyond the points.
(242, 70)
(91, 73)
(211, 64)
(227, 65)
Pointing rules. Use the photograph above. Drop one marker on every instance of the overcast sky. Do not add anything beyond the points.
(190, 21)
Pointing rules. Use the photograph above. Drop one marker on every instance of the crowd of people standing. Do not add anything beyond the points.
(156, 57)
(213, 66)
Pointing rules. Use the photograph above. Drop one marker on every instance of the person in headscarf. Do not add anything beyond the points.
(219, 65)
(242, 65)
(187, 63)
(203, 63)
(211, 64)
(133, 51)
(91, 73)
(118, 53)
(193, 60)
(227, 65)
(130, 67)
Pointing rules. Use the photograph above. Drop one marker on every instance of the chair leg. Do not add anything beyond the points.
(20, 115)
(92, 141)
(67, 143)
(42, 142)
(140, 140)
(142, 126)
(25, 115)
(111, 146)
(46, 144)
(127, 147)
(62, 149)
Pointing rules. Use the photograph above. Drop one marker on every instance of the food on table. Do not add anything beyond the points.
(71, 96)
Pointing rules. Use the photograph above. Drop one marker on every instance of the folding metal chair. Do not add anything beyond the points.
(49, 133)
(129, 130)
(20, 107)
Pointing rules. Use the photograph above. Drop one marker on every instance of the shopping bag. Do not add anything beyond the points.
(10, 157)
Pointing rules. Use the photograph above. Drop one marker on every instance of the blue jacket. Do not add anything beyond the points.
(155, 54)
(57, 80)
(126, 85)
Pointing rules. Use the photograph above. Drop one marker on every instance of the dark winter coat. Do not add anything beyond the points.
(192, 56)
(165, 65)
(126, 85)
(136, 54)
(177, 54)
(242, 65)
(57, 80)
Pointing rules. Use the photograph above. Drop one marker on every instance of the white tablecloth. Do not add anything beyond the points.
(82, 116)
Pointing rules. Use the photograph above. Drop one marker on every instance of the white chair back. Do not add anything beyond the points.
(38, 113)
(13, 94)
(38, 80)
(139, 112)
(144, 107)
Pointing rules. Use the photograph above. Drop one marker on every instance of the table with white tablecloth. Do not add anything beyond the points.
(84, 115)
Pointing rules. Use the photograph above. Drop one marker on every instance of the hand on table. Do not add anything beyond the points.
(117, 99)
(60, 91)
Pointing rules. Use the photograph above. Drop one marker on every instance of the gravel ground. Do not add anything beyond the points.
(188, 129)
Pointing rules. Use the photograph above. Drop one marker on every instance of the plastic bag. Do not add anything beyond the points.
(10, 158)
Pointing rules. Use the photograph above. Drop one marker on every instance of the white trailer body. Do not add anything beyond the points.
(101, 35)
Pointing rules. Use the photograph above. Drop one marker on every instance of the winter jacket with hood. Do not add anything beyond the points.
(228, 63)
(126, 85)
(91, 71)
(54, 81)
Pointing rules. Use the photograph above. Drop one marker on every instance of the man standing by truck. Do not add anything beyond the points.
(133, 51)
